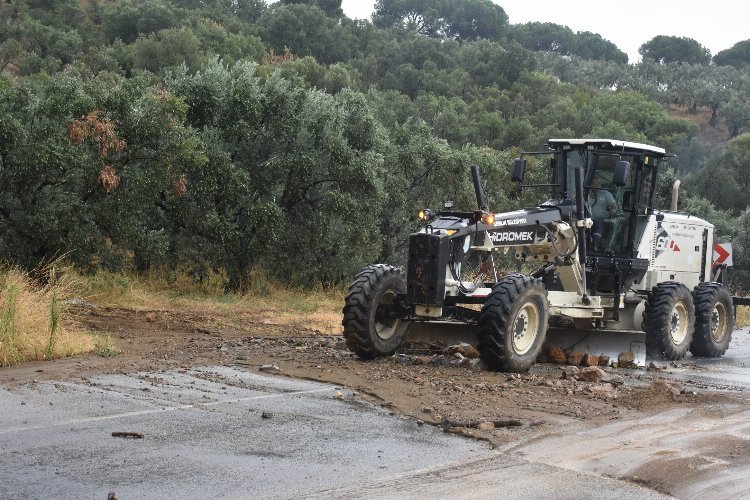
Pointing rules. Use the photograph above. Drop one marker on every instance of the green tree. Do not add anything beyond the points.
(547, 37)
(473, 19)
(420, 16)
(332, 8)
(592, 46)
(738, 55)
(666, 49)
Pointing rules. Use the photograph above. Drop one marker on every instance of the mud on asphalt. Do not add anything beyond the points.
(528, 413)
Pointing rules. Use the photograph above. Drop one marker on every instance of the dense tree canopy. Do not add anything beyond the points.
(464, 20)
(223, 136)
(666, 49)
(551, 37)
(738, 55)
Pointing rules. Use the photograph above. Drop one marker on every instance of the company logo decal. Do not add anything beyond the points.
(512, 237)
(665, 242)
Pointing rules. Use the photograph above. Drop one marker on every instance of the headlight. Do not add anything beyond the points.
(425, 214)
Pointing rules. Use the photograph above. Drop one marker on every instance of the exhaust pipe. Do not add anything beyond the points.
(478, 188)
(675, 195)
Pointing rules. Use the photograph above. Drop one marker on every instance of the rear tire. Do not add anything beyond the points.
(714, 320)
(513, 323)
(371, 324)
(669, 321)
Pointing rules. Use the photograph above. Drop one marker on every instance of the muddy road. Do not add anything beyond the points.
(677, 429)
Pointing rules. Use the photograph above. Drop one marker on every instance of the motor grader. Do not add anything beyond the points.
(604, 261)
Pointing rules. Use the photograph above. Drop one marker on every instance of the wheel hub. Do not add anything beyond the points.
(525, 329)
(679, 323)
(386, 319)
(718, 322)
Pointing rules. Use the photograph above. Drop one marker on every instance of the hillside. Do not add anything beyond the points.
(217, 139)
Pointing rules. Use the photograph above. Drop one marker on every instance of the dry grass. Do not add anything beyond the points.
(743, 316)
(33, 321)
(267, 302)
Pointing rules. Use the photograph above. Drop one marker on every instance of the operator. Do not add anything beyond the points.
(603, 206)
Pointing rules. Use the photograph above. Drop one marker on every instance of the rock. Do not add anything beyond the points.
(427, 409)
(476, 365)
(625, 360)
(669, 386)
(603, 391)
(615, 380)
(591, 374)
(82, 303)
(486, 426)
(340, 345)
(570, 372)
(591, 360)
(112, 496)
(653, 368)
(338, 395)
(603, 360)
(576, 358)
(151, 317)
(464, 349)
(269, 368)
(266, 415)
(557, 356)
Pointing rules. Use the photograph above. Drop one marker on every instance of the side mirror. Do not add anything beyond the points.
(622, 173)
(519, 168)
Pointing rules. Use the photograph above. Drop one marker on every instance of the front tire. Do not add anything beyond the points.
(669, 321)
(372, 327)
(513, 323)
(714, 320)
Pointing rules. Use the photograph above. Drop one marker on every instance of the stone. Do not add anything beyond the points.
(557, 356)
(464, 349)
(591, 360)
(338, 395)
(668, 386)
(427, 409)
(603, 360)
(476, 365)
(625, 360)
(486, 426)
(570, 372)
(269, 368)
(340, 345)
(576, 358)
(603, 391)
(151, 317)
(266, 415)
(615, 380)
(591, 374)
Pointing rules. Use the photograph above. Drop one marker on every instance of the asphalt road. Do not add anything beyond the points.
(204, 437)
